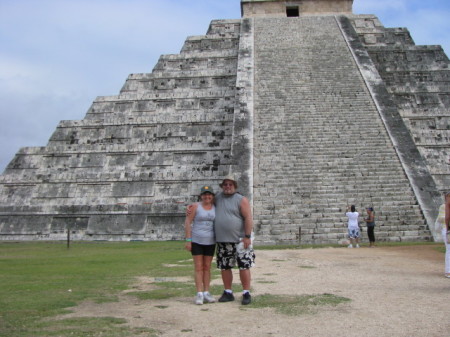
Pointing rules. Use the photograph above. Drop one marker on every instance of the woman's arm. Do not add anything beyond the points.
(187, 226)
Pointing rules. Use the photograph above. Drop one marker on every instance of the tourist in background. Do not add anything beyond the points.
(445, 234)
(353, 226)
(370, 222)
(200, 241)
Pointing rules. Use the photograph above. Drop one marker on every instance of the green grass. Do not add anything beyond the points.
(41, 280)
(441, 248)
(91, 327)
(297, 305)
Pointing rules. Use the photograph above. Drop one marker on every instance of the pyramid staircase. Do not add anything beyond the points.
(320, 144)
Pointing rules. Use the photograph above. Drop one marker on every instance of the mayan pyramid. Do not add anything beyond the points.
(313, 107)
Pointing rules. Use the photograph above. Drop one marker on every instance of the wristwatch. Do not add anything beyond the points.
(248, 236)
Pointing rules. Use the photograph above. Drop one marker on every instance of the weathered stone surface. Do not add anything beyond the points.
(320, 144)
(312, 113)
(418, 81)
(281, 8)
(127, 170)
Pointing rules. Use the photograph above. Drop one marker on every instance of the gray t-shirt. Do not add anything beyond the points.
(229, 223)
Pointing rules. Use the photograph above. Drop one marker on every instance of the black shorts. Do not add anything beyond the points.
(206, 250)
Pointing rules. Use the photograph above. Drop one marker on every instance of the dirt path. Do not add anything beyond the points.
(394, 291)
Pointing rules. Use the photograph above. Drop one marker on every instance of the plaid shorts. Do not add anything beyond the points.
(228, 256)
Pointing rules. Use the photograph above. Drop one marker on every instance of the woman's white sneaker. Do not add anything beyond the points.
(199, 299)
(208, 297)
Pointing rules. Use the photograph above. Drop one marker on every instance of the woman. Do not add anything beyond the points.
(445, 232)
(370, 222)
(353, 226)
(200, 241)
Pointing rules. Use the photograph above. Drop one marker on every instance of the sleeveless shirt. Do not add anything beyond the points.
(203, 226)
(229, 223)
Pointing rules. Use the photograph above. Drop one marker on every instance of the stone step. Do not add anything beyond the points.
(326, 132)
(225, 27)
(164, 81)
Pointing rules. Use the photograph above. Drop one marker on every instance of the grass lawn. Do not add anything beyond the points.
(39, 280)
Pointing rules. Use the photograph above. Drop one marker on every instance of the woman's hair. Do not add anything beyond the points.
(352, 208)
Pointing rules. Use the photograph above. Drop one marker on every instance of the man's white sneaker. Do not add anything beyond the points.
(208, 297)
(199, 299)
(357, 246)
(350, 246)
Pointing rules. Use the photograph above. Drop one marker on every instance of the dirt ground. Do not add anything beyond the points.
(394, 291)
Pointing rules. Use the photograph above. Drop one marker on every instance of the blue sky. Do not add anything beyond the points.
(56, 56)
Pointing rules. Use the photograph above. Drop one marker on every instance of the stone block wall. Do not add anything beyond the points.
(128, 169)
(418, 78)
(263, 8)
(294, 106)
(319, 141)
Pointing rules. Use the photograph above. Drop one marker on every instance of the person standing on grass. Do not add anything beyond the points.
(234, 230)
(370, 222)
(445, 233)
(234, 226)
(353, 226)
(200, 241)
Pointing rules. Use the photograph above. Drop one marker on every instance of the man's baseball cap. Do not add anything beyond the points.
(206, 189)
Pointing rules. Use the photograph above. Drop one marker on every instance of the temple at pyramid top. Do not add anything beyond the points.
(271, 8)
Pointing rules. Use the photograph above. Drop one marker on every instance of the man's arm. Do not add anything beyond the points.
(246, 213)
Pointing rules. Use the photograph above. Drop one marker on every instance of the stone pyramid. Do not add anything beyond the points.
(312, 107)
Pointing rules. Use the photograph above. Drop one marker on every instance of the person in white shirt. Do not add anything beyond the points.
(353, 226)
(445, 233)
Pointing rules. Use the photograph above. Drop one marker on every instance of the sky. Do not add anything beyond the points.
(57, 56)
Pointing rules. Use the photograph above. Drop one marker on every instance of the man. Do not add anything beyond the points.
(233, 228)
